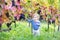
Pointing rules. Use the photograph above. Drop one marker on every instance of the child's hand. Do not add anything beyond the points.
(26, 19)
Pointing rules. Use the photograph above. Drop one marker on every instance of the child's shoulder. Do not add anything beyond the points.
(37, 21)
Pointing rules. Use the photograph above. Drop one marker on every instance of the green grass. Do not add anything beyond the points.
(23, 32)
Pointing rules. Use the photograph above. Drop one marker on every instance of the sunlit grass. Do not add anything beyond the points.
(23, 32)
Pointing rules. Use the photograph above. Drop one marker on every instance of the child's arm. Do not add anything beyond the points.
(38, 24)
(28, 20)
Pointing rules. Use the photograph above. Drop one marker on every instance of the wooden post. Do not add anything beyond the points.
(15, 23)
(54, 26)
(48, 24)
(0, 27)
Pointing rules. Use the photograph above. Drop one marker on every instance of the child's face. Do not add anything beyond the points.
(35, 18)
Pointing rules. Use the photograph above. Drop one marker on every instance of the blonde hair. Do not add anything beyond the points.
(36, 16)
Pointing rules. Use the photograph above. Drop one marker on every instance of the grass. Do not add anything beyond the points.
(23, 32)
